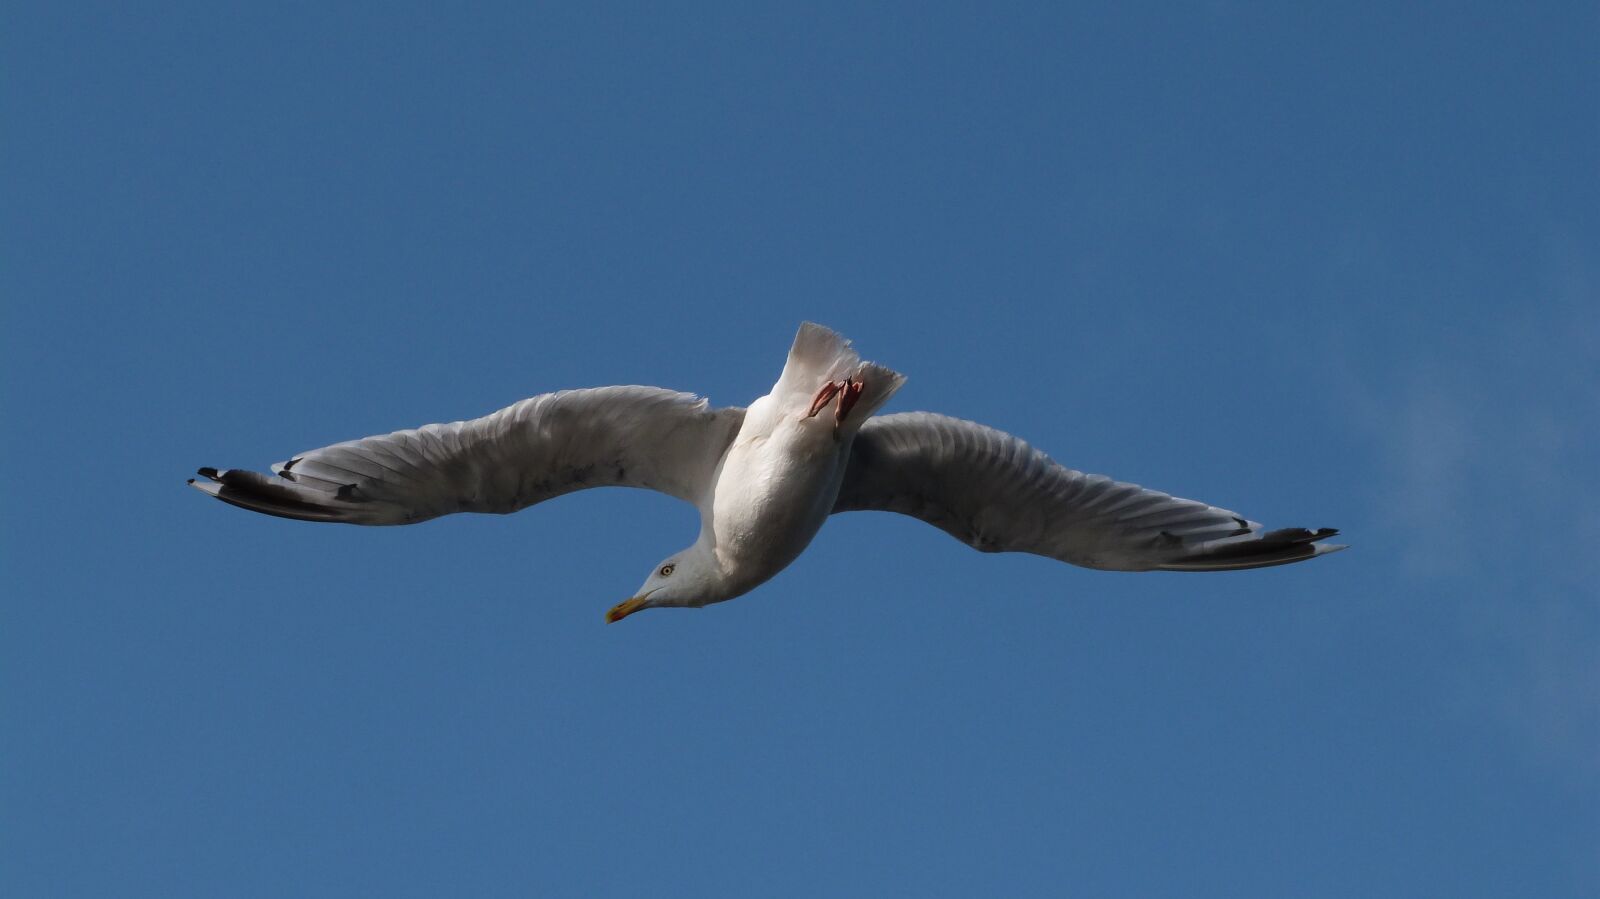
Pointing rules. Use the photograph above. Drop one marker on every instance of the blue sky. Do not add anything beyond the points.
(1331, 267)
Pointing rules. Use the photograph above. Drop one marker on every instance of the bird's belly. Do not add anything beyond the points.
(773, 495)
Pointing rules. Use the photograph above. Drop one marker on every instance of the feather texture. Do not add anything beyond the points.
(526, 453)
(996, 493)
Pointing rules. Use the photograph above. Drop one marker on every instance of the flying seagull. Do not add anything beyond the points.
(764, 479)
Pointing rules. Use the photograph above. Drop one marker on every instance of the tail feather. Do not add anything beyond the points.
(820, 355)
(879, 383)
(1253, 550)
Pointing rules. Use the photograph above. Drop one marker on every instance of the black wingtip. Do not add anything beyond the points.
(207, 473)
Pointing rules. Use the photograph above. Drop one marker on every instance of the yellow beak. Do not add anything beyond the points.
(623, 609)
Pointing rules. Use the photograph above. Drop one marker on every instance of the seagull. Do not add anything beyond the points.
(764, 479)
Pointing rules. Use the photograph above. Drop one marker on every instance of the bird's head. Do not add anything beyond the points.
(688, 578)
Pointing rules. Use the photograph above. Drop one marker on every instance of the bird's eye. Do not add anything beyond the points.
(667, 569)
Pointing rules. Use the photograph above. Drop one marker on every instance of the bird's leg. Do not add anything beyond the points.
(848, 394)
(825, 396)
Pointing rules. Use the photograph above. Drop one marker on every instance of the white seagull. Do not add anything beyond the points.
(764, 479)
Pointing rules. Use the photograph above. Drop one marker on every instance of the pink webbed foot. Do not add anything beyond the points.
(824, 397)
(848, 395)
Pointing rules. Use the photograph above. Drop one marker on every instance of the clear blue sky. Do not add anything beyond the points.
(1335, 267)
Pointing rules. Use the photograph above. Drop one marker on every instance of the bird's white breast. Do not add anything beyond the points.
(776, 488)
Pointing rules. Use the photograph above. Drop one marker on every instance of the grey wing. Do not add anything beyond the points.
(996, 493)
(526, 453)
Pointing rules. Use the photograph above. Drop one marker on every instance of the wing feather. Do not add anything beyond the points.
(996, 493)
(534, 450)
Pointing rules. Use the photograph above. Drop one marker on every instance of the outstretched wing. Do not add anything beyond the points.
(996, 493)
(526, 453)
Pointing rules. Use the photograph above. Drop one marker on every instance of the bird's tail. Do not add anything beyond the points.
(820, 355)
(1256, 550)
